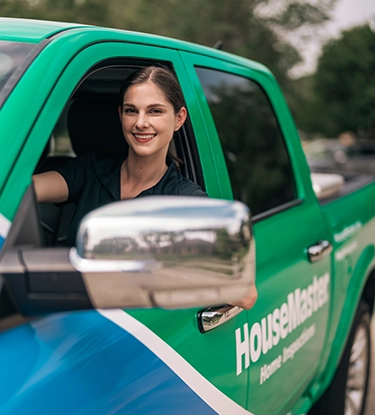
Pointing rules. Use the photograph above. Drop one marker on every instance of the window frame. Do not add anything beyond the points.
(32, 51)
(60, 93)
(277, 127)
(186, 147)
(262, 77)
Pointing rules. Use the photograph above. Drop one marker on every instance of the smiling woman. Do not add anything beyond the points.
(151, 110)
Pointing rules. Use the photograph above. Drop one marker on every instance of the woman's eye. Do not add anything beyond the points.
(129, 111)
(156, 111)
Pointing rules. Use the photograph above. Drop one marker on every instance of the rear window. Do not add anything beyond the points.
(254, 148)
(13, 56)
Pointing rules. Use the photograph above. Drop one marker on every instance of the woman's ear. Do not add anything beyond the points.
(119, 111)
(180, 118)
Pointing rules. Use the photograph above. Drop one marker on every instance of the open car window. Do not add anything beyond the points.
(90, 124)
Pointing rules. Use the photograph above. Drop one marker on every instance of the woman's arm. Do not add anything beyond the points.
(50, 187)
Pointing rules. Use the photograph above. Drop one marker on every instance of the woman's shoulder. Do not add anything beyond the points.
(186, 187)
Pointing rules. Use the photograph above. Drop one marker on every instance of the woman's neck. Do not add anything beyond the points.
(139, 171)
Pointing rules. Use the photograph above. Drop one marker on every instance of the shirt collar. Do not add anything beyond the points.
(108, 172)
(167, 185)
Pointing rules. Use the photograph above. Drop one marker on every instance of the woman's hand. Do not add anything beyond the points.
(249, 300)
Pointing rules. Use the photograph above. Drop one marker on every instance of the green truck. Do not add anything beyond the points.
(136, 317)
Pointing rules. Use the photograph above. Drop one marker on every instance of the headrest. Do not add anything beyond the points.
(94, 126)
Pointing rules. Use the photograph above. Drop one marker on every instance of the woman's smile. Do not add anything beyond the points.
(143, 138)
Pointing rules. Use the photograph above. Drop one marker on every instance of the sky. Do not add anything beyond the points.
(346, 14)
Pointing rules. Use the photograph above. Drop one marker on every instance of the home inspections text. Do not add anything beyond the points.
(300, 305)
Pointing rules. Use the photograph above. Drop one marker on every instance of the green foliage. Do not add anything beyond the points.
(82, 11)
(254, 29)
(297, 14)
(305, 106)
(234, 22)
(239, 24)
(16, 8)
(342, 92)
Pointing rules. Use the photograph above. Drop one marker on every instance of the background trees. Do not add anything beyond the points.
(255, 29)
(340, 96)
(343, 87)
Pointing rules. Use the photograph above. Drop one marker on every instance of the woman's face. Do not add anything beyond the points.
(148, 119)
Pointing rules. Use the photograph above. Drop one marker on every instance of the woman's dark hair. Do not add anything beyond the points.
(162, 78)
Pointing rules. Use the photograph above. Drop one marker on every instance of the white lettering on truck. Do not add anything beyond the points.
(347, 232)
(347, 250)
(299, 306)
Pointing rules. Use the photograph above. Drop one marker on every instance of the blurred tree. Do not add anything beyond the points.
(16, 8)
(304, 104)
(255, 29)
(82, 11)
(252, 28)
(342, 92)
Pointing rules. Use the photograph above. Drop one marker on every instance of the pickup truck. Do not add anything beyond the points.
(136, 317)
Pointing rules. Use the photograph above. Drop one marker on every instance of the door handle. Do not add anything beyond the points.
(318, 251)
(213, 317)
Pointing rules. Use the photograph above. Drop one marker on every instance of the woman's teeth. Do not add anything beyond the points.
(144, 136)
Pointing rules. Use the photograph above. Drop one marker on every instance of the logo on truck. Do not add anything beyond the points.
(4, 229)
(299, 306)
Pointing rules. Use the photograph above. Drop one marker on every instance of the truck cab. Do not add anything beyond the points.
(66, 346)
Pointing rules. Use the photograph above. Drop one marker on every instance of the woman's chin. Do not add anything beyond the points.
(148, 151)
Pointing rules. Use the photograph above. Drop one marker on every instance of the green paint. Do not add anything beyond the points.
(27, 120)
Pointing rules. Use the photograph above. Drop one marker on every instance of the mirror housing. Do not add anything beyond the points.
(166, 251)
(163, 251)
(326, 184)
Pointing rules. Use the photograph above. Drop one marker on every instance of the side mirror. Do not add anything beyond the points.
(326, 184)
(170, 252)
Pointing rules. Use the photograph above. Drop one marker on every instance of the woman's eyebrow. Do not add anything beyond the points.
(156, 104)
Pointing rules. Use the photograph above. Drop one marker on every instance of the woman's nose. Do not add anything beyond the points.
(142, 121)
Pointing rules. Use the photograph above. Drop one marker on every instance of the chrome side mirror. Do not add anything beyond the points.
(326, 184)
(166, 251)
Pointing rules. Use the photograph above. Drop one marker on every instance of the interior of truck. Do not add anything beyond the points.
(90, 123)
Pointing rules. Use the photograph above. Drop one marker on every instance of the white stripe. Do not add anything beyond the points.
(216, 399)
(4, 226)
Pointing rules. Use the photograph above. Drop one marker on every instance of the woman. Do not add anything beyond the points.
(151, 109)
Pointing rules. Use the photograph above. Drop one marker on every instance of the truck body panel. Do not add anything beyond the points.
(290, 343)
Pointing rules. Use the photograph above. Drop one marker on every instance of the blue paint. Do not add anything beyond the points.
(82, 363)
(2, 240)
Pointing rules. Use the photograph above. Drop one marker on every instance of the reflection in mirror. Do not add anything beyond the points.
(170, 243)
(251, 139)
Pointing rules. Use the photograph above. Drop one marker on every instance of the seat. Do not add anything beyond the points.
(94, 126)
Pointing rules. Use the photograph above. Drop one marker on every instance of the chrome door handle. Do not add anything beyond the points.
(213, 317)
(318, 251)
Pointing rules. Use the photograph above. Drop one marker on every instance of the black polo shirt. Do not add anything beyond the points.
(94, 181)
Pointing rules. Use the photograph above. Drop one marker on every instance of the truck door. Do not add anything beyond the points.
(93, 75)
(252, 134)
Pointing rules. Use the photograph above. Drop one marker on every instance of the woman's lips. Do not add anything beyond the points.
(144, 138)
